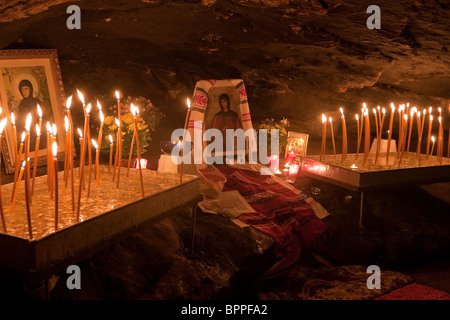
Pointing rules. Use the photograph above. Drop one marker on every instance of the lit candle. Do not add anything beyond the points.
(70, 152)
(100, 133)
(49, 132)
(53, 139)
(186, 121)
(96, 161)
(135, 112)
(39, 111)
(89, 146)
(13, 122)
(344, 135)
(324, 132)
(366, 136)
(419, 135)
(36, 150)
(119, 139)
(13, 201)
(82, 161)
(66, 151)
(293, 171)
(131, 152)
(390, 133)
(358, 135)
(332, 139)
(430, 124)
(432, 148)
(27, 153)
(291, 155)
(448, 147)
(404, 127)
(117, 148)
(2, 126)
(440, 138)
(55, 165)
(379, 135)
(111, 146)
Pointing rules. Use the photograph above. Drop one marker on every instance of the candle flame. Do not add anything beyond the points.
(378, 108)
(22, 139)
(432, 138)
(117, 95)
(68, 102)
(440, 119)
(405, 117)
(54, 149)
(384, 111)
(2, 125)
(102, 117)
(364, 105)
(431, 117)
(49, 128)
(356, 116)
(188, 103)
(54, 129)
(80, 133)
(38, 131)
(13, 119)
(117, 122)
(81, 97)
(392, 107)
(99, 106)
(133, 112)
(88, 109)
(28, 122)
(418, 114)
(342, 110)
(374, 111)
(111, 140)
(439, 109)
(331, 120)
(23, 164)
(424, 111)
(39, 111)
(95, 144)
(430, 109)
(324, 119)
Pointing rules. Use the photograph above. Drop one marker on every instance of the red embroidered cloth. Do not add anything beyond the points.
(280, 212)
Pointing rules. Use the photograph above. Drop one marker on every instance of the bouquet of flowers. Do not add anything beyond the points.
(280, 125)
(148, 120)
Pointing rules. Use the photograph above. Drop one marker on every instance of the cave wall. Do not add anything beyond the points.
(298, 58)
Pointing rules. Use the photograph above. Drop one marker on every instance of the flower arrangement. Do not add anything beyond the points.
(148, 121)
(280, 125)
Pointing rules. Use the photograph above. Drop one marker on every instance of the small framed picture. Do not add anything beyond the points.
(297, 142)
(28, 79)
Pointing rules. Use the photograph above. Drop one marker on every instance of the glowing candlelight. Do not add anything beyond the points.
(119, 140)
(344, 135)
(66, 153)
(13, 122)
(36, 155)
(2, 126)
(430, 124)
(324, 132)
(81, 97)
(96, 161)
(376, 121)
(404, 127)
(411, 122)
(332, 139)
(110, 152)
(82, 161)
(135, 112)
(49, 133)
(55, 165)
(291, 155)
(440, 139)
